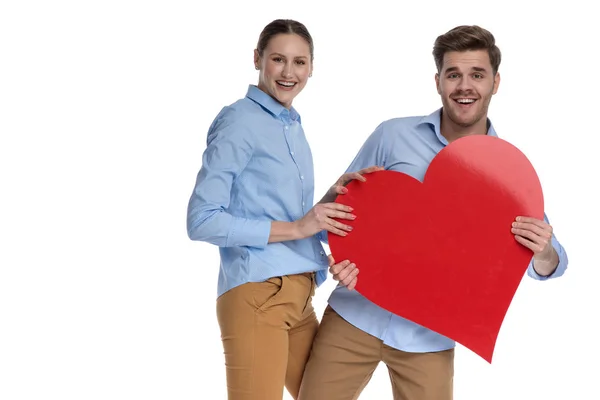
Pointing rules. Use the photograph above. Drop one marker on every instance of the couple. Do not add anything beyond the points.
(253, 198)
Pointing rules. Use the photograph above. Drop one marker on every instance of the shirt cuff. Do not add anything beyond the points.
(559, 271)
(249, 232)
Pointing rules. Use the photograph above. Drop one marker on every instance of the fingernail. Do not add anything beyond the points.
(350, 208)
(353, 216)
(344, 190)
(349, 227)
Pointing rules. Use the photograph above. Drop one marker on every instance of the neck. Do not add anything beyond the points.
(264, 89)
(452, 131)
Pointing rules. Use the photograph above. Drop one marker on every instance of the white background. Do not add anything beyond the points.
(104, 108)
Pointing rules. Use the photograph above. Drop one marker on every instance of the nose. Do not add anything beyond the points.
(464, 85)
(287, 70)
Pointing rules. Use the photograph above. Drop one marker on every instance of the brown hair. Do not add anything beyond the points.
(463, 38)
(283, 26)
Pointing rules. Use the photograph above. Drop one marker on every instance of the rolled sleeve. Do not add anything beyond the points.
(248, 232)
(561, 268)
(229, 149)
(563, 261)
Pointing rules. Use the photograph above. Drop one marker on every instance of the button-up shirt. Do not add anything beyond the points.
(257, 168)
(406, 145)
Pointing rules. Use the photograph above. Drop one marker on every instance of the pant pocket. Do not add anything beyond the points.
(266, 293)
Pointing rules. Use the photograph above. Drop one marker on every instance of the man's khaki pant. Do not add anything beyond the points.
(267, 329)
(343, 359)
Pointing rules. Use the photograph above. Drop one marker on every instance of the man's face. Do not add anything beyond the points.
(466, 84)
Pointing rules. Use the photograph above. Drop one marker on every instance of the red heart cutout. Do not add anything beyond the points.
(441, 253)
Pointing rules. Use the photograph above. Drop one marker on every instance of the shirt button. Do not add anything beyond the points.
(291, 152)
(302, 204)
(322, 253)
(301, 176)
(285, 127)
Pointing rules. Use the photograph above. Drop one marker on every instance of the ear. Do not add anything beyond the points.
(256, 59)
(437, 83)
(311, 69)
(496, 82)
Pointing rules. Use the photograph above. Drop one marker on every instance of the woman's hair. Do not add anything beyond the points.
(283, 26)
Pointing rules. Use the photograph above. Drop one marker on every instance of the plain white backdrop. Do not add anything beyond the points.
(104, 108)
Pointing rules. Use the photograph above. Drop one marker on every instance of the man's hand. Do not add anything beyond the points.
(536, 235)
(344, 272)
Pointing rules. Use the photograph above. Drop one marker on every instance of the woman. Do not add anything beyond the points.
(253, 198)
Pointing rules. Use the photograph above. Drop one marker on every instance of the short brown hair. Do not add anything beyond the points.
(283, 26)
(463, 38)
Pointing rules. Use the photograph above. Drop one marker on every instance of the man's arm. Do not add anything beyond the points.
(549, 256)
(370, 158)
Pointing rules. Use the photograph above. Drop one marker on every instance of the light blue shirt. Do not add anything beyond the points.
(406, 145)
(257, 168)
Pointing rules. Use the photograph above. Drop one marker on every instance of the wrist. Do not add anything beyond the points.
(550, 257)
(285, 231)
(546, 265)
(296, 230)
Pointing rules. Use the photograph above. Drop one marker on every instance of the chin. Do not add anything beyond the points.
(468, 119)
(285, 100)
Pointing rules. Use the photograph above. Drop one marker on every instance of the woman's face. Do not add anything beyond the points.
(284, 67)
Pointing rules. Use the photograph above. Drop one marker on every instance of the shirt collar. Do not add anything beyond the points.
(435, 121)
(271, 105)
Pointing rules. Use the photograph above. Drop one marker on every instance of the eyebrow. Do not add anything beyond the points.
(476, 69)
(284, 56)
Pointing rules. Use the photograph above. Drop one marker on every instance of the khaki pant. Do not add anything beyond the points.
(343, 359)
(267, 329)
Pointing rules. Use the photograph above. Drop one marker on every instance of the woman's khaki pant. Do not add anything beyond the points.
(267, 329)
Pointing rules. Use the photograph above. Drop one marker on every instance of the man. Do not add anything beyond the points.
(355, 334)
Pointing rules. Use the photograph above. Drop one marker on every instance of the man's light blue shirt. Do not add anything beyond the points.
(257, 168)
(406, 145)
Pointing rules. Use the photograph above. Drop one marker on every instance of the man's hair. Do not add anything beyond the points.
(463, 38)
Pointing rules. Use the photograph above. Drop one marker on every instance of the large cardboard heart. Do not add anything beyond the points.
(441, 253)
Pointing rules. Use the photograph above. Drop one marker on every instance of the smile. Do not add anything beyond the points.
(286, 84)
(465, 101)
